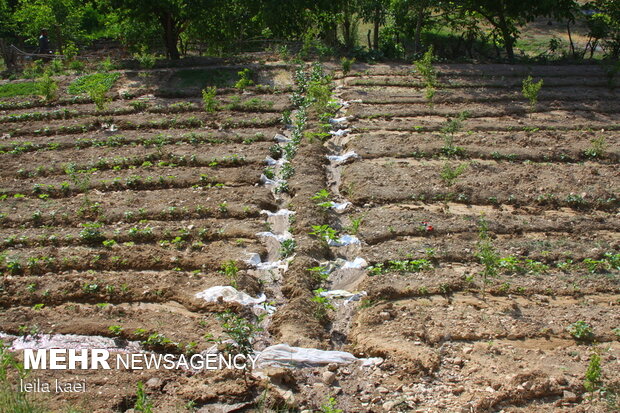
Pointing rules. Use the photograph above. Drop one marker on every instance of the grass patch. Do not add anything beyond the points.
(19, 89)
(85, 83)
(201, 78)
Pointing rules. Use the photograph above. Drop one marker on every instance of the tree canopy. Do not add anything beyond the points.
(395, 28)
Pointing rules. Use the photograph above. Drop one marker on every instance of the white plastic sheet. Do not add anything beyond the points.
(281, 138)
(229, 294)
(342, 158)
(340, 206)
(340, 132)
(358, 262)
(283, 355)
(344, 240)
(70, 341)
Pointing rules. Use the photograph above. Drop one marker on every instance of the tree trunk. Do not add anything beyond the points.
(376, 33)
(570, 39)
(418, 31)
(509, 40)
(347, 26)
(171, 36)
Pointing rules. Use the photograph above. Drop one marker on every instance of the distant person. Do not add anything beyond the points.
(44, 43)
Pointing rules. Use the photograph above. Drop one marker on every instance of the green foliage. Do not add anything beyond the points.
(581, 331)
(449, 174)
(48, 88)
(287, 248)
(324, 232)
(143, 404)
(485, 252)
(9, 90)
(424, 67)
(97, 93)
(449, 128)
(241, 331)
(245, 79)
(330, 406)
(209, 101)
(346, 64)
(145, 59)
(322, 305)
(597, 149)
(84, 84)
(231, 271)
(12, 400)
(91, 232)
(401, 266)
(106, 65)
(593, 380)
(530, 91)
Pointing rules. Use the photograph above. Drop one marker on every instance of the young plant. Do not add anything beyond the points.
(330, 406)
(97, 93)
(48, 88)
(287, 248)
(245, 79)
(324, 232)
(449, 174)
(597, 149)
(322, 305)
(530, 91)
(208, 99)
(424, 67)
(241, 331)
(143, 404)
(449, 128)
(346, 64)
(581, 331)
(593, 381)
(231, 271)
(145, 59)
(486, 254)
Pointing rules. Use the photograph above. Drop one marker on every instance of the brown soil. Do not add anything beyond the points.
(451, 338)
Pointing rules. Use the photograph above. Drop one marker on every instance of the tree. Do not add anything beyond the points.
(63, 18)
(507, 16)
(375, 12)
(172, 16)
(604, 25)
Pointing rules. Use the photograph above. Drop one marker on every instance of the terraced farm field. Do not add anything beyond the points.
(455, 255)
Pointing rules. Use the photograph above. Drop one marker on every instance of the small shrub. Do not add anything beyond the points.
(48, 88)
(245, 79)
(324, 232)
(346, 64)
(449, 174)
(97, 93)
(145, 59)
(322, 305)
(240, 330)
(597, 149)
(581, 331)
(486, 254)
(424, 67)
(287, 248)
(530, 91)
(231, 271)
(143, 404)
(106, 65)
(330, 406)
(593, 380)
(208, 99)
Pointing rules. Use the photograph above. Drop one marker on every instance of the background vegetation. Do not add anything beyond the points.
(364, 29)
